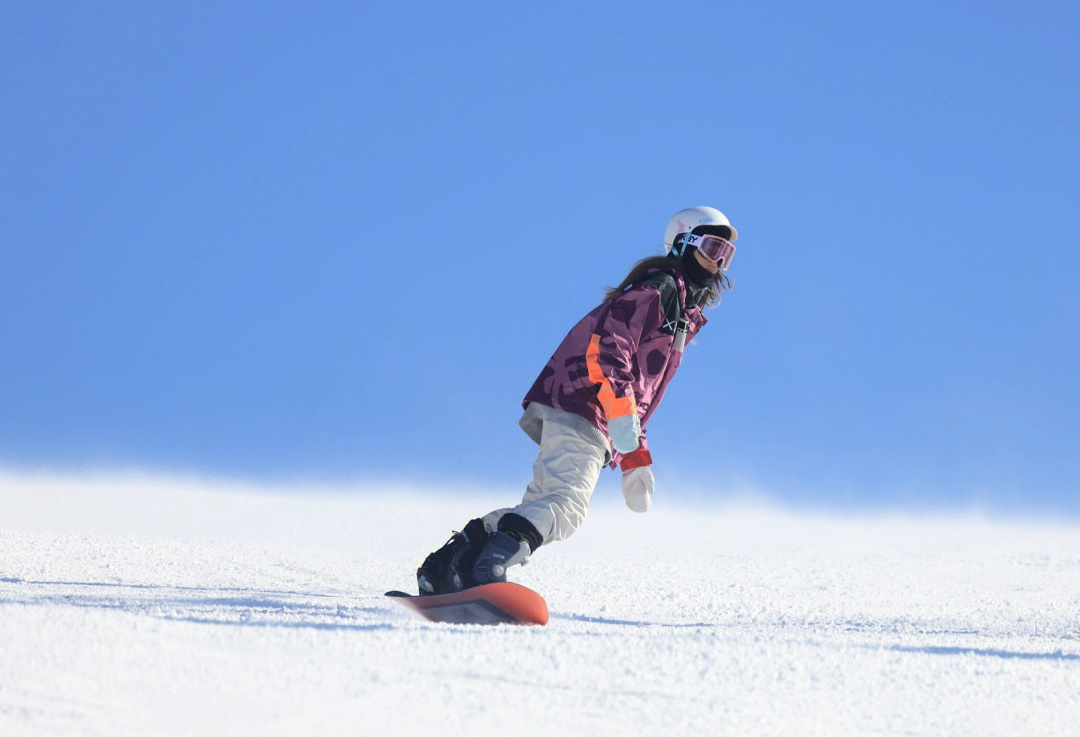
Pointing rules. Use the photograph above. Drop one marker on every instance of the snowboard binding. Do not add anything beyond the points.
(474, 556)
(449, 569)
(500, 552)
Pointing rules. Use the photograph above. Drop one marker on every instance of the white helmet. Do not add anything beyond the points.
(684, 221)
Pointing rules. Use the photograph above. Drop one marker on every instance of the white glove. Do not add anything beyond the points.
(624, 431)
(637, 488)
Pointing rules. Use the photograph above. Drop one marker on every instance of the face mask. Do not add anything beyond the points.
(713, 247)
(697, 275)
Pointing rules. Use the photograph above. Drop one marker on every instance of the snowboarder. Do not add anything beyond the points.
(590, 405)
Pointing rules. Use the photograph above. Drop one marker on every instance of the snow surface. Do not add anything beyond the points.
(143, 605)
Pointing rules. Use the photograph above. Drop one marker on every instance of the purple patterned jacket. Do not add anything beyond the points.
(620, 357)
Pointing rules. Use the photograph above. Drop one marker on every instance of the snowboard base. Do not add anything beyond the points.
(493, 603)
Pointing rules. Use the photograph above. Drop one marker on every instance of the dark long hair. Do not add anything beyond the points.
(705, 298)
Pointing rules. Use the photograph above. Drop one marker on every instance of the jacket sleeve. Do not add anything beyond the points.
(609, 358)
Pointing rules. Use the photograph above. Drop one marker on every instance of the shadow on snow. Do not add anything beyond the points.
(208, 605)
(294, 609)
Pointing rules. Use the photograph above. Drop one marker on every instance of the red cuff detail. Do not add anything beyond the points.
(640, 457)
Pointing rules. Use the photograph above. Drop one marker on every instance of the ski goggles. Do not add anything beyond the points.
(713, 247)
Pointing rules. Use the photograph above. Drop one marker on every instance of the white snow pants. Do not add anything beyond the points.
(564, 476)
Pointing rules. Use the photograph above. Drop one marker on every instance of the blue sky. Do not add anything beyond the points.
(340, 240)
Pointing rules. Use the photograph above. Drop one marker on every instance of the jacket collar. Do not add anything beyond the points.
(694, 314)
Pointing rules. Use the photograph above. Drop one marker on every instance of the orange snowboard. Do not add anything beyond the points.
(493, 603)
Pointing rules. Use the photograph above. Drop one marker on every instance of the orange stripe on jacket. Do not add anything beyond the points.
(613, 406)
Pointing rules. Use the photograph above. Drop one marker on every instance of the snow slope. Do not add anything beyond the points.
(149, 605)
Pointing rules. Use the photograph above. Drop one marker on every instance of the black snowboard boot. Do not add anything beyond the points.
(510, 545)
(449, 568)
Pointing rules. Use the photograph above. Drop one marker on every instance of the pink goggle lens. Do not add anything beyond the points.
(713, 247)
